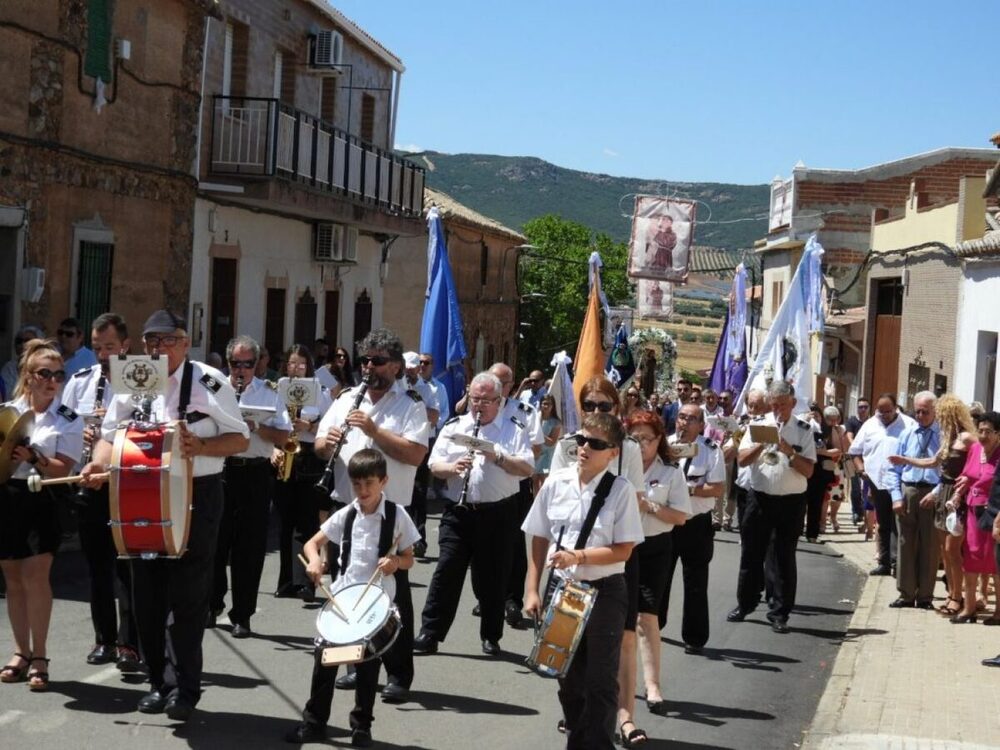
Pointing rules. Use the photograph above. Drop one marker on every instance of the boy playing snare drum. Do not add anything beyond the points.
(567, 505)
(364, 530)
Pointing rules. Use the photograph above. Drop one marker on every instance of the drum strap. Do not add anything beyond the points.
(596, 503)
(384, 534)
(185, 396)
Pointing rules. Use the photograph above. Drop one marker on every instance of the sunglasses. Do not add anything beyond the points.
(425, 362)
(645, 438)
(242, 364)
(603, 406)
(67, 333)
(376, 361)
(44, 373)
(595, 443)
(158, 341)
(632, 395)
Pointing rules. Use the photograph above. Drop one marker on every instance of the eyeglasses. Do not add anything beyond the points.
(687, 418)
(595, 443)
(426, 363)
(44, 373)
(603, 406)
(376, 361)
(645, 438)
(632, 395)
(484, 399)
(67, 333)
(242, 364)
(340, 356)
(161, 341)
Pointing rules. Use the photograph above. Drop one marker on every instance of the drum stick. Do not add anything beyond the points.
(35, 482)
(377, 575)
(333, 602)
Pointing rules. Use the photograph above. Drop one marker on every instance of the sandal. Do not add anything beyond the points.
(635, 738)
(947, 609)
(11, 673)
(38, 679)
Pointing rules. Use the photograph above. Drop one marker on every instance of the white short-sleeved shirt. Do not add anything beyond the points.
(441, 398)
(58, 430)
(396, 411)
(708, 467)
(259, 393)
(326, 378)
(628, 464)
(665, 486)
(525, 415)
(365, 534)
(875, 443)
(211, 396)
(80, 393)
(780, 478)
(561, 507)
(488, 482)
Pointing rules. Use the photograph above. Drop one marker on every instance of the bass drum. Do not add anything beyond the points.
(151, 492)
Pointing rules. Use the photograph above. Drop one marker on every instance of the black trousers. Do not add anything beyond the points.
(242, 540)
(398, 660)
(589, 691)
(771, 521)
(476, 535)
(418, 500)
(298, 502)
(317, 710)
(693, 546)
(110, 578)
(519, 554)
(171, 599)
(888, 535)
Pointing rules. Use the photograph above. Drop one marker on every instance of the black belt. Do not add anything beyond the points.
(597, 583)
(240, 461)
(503, 502)
(207, 479)
(920, 484)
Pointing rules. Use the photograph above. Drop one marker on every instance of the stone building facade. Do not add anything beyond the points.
(96, 182)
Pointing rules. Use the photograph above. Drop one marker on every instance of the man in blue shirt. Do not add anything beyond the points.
(911, 482)
(669, 412)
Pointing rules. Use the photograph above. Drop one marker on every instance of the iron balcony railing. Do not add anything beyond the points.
(258, 137)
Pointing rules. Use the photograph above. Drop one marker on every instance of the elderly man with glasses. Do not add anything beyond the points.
(480, 511)
(247, 479)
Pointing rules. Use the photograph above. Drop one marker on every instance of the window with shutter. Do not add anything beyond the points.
(97, 62)
(93, 291)
(367, 117)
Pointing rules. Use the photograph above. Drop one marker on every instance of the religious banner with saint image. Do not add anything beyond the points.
(655, 299)
(662, 230)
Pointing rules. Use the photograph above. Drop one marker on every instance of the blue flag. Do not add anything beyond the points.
(441, 333)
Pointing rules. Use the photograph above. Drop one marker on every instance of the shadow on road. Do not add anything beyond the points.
(98, 699)
(463, 704)
(810, 609)
(742, 659)
(715, 716)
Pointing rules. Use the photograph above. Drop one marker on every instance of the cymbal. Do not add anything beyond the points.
(15, 429)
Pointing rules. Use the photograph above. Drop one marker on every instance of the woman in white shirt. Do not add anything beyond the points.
(666, 504)
(29, 528)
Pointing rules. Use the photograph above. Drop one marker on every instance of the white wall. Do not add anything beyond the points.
(977, 312)
(276, 252)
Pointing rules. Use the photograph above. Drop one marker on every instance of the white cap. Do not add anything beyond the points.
(411, 360)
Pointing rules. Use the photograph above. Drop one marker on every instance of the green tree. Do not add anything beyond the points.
(554, 286)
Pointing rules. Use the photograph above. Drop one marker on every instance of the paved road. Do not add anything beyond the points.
(751, 688)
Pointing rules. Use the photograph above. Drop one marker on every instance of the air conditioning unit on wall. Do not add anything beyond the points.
(335, 243)
(327, 52)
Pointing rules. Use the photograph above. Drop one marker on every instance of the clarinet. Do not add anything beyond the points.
(468, 475)
(325, 482)
(83, 494)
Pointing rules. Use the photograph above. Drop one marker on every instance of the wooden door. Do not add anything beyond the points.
(885, 360)
(222, 315)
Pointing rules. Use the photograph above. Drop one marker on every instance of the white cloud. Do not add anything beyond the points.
(610, 152)
(410, 147)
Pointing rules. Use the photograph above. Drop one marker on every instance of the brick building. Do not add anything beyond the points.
(98, 137)
(483, 255)
(300, 196)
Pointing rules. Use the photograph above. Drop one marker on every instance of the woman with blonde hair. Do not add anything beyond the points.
(29, 527)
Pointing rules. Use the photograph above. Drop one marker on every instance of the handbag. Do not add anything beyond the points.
(954, 524)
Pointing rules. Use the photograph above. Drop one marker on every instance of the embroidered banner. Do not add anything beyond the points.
(662, 229)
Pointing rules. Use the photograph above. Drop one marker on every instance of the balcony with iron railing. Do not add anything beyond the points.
(257, 137)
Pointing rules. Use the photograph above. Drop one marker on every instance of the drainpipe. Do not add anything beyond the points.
(196, 168)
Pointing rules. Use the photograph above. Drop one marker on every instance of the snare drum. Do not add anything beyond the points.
(558, 638)
(150, 492)
(369, 630)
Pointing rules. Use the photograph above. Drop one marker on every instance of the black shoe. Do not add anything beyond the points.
(393, 693)
(420, 549)
(286, 591)
(306, 733)
(178, 708)
(692, 650)
(306, 594)
(361, 738)
(128, 659)
(242, 630)
(881, 570)
(425, 644)
(512, 614)
(925, 604)
(101, 654)
(476, 610)
(717, 527)
(779, 624)
(347, 681)
(491, 648)
(152, 703)
(902, 603)
(994, 662)
(737, 615)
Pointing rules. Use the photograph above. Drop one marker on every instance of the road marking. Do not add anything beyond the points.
(103, 676)
(8, 717)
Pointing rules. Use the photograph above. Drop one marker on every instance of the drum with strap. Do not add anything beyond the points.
(362, 626)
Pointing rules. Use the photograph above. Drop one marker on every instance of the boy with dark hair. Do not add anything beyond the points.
(358, 529)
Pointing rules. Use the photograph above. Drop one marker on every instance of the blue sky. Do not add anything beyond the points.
(715, 91)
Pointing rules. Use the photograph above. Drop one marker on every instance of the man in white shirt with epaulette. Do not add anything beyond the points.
(775, 508)
(247, 479)
(694, 542)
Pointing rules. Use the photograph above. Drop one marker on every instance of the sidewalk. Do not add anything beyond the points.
(905, 678)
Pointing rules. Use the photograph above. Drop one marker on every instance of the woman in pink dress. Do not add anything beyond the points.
(974, 487)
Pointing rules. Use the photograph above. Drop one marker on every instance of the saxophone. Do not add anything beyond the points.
(291, 446)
